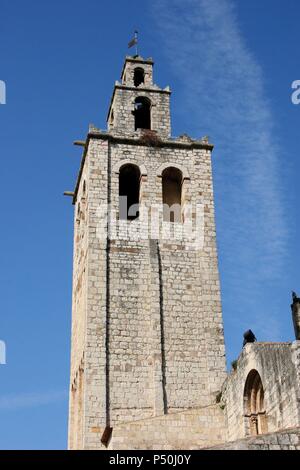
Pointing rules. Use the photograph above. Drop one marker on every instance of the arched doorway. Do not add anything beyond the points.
(254, 405)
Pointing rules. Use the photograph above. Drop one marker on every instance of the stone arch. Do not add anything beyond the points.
(172, 180)
(118, 166)
(254, 405)
(185, 174)
(183, 192)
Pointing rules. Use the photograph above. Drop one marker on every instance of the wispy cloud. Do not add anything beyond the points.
(222, 95)
(29, 400)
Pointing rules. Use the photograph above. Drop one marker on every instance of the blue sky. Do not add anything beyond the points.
(230, 65)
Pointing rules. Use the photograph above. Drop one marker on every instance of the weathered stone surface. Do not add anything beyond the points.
(147, 324)
(192, 429)
(278, 367)
(148, 359)
(288, 439)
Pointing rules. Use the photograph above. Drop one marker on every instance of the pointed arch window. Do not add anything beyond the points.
(129, 191)
(254, 404)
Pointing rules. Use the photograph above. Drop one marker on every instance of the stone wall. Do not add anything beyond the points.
(148, 357)
(288, 439)
(121, 111)
(130, 64)
(79, 311)
(123, 100)
(192, 429)
(277, 366)
(147, 332)
(135, 281)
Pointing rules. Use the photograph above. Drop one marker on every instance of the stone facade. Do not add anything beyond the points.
(278, 367)
(289, 439)
(120, 117)
(148, 358)
(193, 429)
(147, 333)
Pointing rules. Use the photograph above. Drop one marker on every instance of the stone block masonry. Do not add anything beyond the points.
(147, 333)
(190, 430)
(278, 366)
(148, 357)
(288, 439)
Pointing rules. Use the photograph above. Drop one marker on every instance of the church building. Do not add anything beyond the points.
(148, 368)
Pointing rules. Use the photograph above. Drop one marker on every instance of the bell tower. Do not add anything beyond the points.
(137, 103)
(147, 333)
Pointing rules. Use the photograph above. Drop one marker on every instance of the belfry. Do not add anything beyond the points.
(147, 333)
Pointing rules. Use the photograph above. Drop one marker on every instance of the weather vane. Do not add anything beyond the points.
(134, 42)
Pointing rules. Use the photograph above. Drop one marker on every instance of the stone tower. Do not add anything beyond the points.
(147, 334)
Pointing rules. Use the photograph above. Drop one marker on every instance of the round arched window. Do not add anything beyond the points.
(129, 192)
(142, 113)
